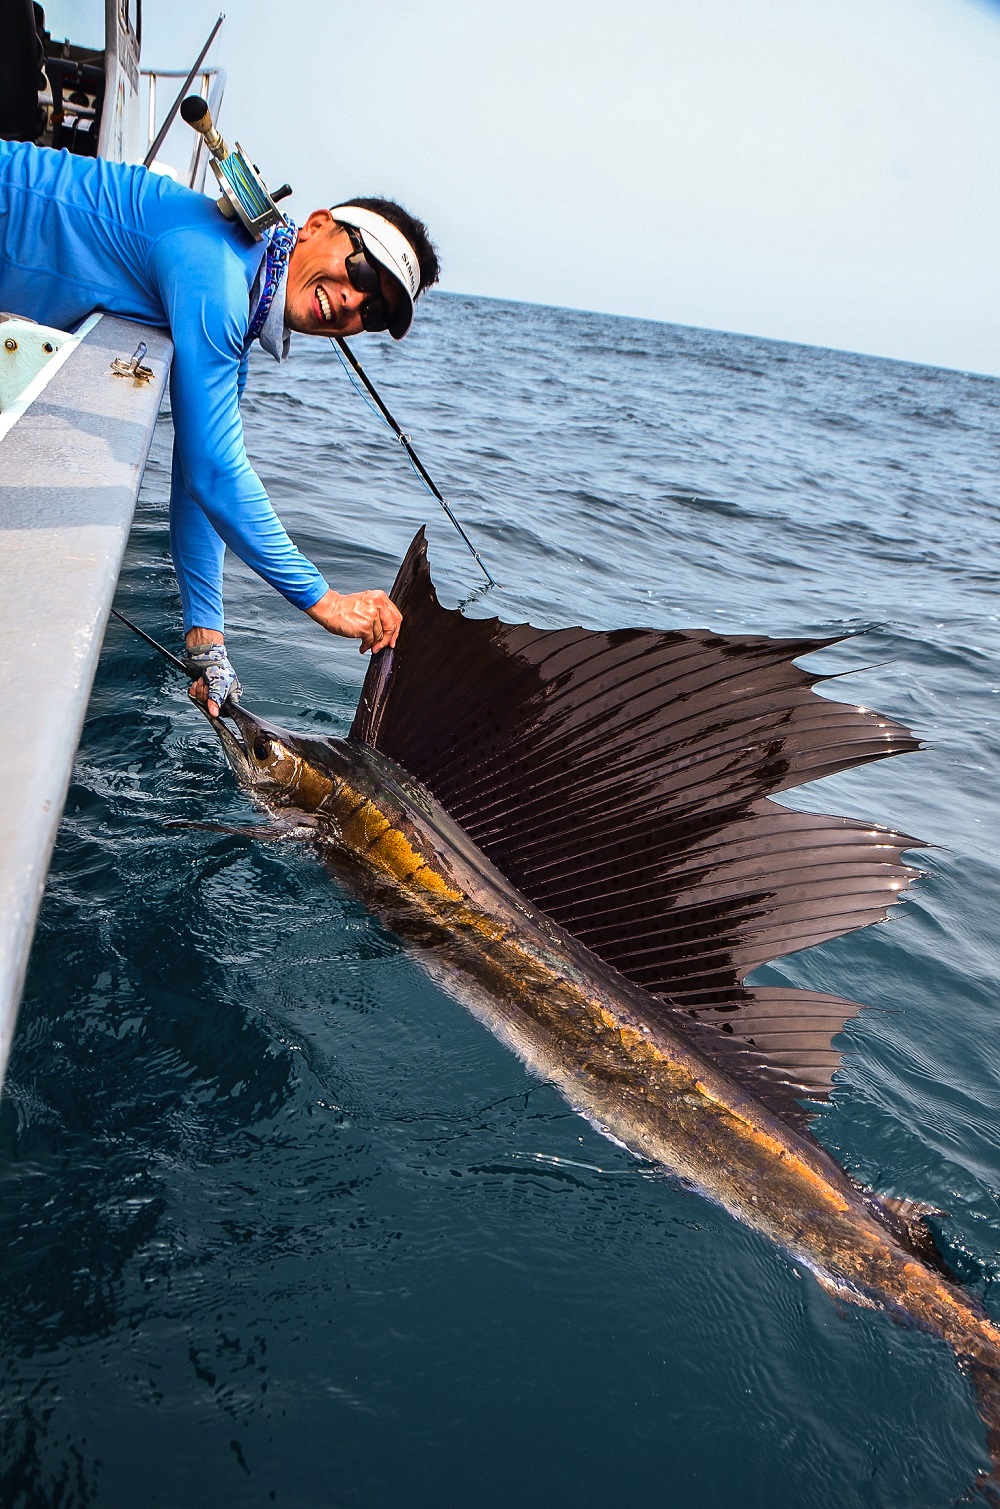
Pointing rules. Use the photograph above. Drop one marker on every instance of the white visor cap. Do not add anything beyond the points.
(391, 250)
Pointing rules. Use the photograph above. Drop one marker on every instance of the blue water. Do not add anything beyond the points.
(281, 1223)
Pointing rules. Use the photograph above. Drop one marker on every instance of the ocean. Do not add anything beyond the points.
(281, 1222)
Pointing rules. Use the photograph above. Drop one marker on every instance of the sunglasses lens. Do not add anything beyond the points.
(363, 276)
(374, 315)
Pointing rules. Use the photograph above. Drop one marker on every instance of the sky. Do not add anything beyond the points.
(816, 172)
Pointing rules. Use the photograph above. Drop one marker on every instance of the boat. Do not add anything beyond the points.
(77, 410)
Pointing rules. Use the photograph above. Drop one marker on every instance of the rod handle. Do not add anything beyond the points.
(198, 116)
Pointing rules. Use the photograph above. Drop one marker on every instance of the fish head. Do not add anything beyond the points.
(276, 766)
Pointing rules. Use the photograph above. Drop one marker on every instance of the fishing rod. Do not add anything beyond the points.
(339, 344)
(150, 156)
(172, 659)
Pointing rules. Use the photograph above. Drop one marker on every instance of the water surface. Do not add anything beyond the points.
(280, 1222)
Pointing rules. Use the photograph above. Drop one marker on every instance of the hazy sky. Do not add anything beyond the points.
(791, 168)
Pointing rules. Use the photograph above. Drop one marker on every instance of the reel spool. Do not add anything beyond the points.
(245, 195)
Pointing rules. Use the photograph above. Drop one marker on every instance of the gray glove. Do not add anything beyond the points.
(212, 663)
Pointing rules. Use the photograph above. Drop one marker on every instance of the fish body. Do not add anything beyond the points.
(574, 833)
(581, 1026)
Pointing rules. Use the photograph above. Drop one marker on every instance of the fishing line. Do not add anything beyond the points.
(355, 384)
(347, 356)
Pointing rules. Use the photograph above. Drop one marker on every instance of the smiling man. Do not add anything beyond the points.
(78, 234)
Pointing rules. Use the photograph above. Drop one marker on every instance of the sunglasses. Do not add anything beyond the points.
(363, 276)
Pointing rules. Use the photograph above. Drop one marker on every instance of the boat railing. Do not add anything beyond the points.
(210, 83)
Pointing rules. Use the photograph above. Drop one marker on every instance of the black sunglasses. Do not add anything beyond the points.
(363, 276)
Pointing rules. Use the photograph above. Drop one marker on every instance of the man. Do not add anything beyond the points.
(78, 234)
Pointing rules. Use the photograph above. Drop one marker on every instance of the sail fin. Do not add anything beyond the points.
(623, 781)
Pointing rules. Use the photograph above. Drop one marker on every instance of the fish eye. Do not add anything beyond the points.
(262, 749)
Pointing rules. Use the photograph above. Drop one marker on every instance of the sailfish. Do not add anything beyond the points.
(575, 832)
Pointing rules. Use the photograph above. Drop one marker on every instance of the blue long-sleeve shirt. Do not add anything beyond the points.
(79, 234)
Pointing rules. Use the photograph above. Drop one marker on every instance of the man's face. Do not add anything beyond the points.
(320, 298)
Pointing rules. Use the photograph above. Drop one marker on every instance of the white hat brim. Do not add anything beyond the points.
(391, 250)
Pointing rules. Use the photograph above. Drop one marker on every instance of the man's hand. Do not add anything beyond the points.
(369, 616)
(205, 657)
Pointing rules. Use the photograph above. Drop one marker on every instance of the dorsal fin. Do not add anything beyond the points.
(621, 780)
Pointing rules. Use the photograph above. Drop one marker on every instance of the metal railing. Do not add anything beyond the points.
(210, 83)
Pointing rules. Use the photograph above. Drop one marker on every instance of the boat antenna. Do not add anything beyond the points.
(172, 659)
(340, 345)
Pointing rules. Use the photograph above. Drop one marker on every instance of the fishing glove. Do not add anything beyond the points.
(212, 663)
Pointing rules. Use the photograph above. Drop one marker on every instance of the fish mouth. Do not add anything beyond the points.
(234, 742)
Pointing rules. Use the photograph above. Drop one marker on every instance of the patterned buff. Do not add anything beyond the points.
(279, 243)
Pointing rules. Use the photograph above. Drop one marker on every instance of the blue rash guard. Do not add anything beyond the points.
(79, 234)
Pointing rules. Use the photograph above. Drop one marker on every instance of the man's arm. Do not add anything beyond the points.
(198, 554)
(211, 468)
(369, 616)
(203, 288)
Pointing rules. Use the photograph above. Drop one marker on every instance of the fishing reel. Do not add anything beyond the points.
(245, 195)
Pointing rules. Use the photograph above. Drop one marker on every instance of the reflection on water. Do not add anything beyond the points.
(281, 1223)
